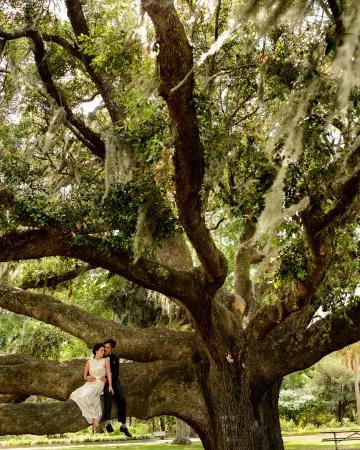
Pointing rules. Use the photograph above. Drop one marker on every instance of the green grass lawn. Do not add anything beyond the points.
(291, 443)
(142, 447)
(308, 442)
(314, 442)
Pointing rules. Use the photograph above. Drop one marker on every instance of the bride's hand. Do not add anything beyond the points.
(111, 390)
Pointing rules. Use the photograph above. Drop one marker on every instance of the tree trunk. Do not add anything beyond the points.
(162, 424)
(339, 411)
(357, 391)
(242, 416)
(182, 433)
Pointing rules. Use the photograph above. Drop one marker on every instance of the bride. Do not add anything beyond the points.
(87, 397)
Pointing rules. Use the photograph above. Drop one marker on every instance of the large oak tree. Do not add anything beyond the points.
(234, 193)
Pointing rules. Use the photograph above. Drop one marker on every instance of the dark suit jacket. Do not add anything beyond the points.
(114, 366)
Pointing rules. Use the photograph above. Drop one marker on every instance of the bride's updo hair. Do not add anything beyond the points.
(97, 347)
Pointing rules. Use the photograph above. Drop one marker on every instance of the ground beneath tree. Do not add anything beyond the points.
(95, 446)
(308, 442)
(313, 441)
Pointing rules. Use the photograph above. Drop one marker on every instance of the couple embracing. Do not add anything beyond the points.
(101, 376)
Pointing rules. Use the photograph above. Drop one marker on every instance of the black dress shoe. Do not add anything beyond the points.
(109, 428)
(124, 430)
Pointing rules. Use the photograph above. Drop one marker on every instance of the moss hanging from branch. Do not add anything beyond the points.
(56, 122)
(119, 160)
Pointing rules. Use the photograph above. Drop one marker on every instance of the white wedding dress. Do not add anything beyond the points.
(87, 397)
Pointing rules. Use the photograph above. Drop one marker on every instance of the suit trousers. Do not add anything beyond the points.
(119, 398)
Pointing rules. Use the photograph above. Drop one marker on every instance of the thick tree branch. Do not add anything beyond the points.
(299, 296)
(296, 297)
(139, 344)
(345, 189)
(246, 255)
(41, 418)
(323, 337)
(12, 35)
(91, 139)
(314, 224)
(151, 389)
(26, 375)
(53, 241)
(338, 19)
(346, 195)
(87, 136)
(279, 341)
(177, 82)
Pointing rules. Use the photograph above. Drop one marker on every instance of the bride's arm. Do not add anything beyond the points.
(86, 370)
(108, 374)
(88, 377)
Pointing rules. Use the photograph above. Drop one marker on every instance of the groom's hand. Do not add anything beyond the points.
(90, 378)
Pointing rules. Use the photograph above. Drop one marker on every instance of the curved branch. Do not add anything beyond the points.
(12, 35)
(283, 338)
(139, 344)
(325, 336)
(25, 375)
(87, 136)
(347, 196)
(151, 389)
(246, 254)
(348, 193)
(91, 139)
(41, 418)
(66, 45)
(299, 295)
(182, 285)
(308, 343)
(270, 316)
(176, 65)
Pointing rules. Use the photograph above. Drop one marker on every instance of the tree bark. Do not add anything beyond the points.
(53, 240)
(151, 389)
(133, 343)
(241, 414)
(357, 389)
(222, 403)
(175, 62)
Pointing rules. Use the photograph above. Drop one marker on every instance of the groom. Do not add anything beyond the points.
(119, 397)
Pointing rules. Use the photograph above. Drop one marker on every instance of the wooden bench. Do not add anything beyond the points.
(341, 436)
(159, 434)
